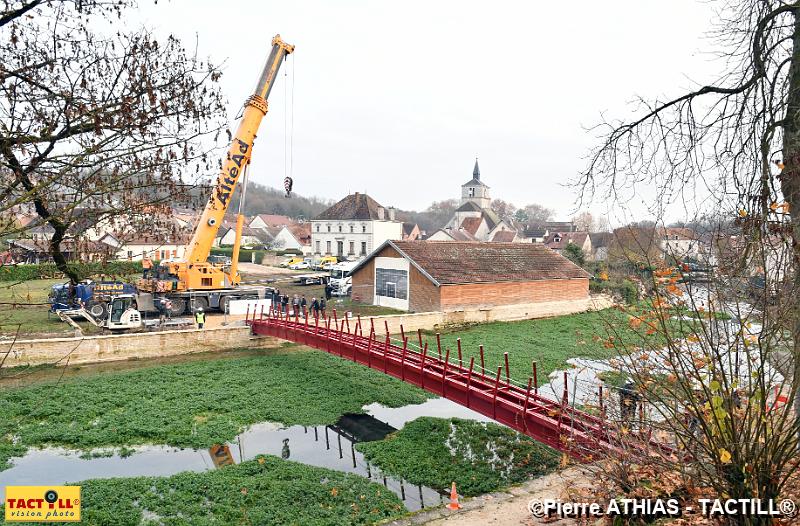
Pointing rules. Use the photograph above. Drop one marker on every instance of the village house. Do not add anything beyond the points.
(353, 227)
(474, 216)
(264, 221)
(135, 247)
(424, 276)
(680, 243)
(600, 242)
(294, 236)
(251, 237)
(411, 232)
(558, 241)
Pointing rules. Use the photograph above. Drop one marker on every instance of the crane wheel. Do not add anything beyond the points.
(178, 306)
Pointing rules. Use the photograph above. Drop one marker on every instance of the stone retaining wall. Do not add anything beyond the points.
(92, 349)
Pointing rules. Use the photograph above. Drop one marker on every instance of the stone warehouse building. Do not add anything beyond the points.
(423, 276)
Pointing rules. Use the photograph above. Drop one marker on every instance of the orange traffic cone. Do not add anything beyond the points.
(454, 505)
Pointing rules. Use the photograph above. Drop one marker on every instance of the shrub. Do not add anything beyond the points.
(245, 255)
(625, 288)
(84, 270)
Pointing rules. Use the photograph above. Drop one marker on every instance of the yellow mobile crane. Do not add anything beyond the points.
(194, 281)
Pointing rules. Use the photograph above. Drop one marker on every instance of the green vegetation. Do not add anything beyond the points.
(478, 457)
(23, 305)
(575, 254)
(624, 288)
(246, 255)
(549, 341)
(195, 404)
(84, 270)
(267, 490)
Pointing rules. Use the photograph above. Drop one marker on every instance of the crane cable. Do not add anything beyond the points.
(288, 135)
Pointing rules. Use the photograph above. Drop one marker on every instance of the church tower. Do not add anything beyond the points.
(474, 190)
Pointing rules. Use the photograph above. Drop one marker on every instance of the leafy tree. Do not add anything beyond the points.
(575, 254)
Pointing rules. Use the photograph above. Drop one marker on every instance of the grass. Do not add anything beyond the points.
(478, 457)
(267, 490)
(549, 342)
(341, 304)
(16, 311)
(196, 404)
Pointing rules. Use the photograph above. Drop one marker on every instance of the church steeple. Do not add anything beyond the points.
(476, 172)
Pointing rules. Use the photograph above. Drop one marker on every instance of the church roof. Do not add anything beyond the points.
(476, 177)
(469, 206)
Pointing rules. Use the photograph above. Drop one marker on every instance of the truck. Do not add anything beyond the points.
(194, 281)
(94, 296)
(341, 280)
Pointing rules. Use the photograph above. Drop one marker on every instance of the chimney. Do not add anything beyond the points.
(381, 213)
(391, 213)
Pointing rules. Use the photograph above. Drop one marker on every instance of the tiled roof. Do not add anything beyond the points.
(504, 236)
(301, 232)
(274, 219)
(560, 240)
(408, 228)
(679, 233)
(354, 206)
(471, 224)
(448, 262)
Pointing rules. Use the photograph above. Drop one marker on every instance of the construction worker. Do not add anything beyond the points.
(147, 266)
(200, 318)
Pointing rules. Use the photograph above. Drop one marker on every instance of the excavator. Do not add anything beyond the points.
(193, 281)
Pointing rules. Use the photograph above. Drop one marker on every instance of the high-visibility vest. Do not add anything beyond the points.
(200, 317)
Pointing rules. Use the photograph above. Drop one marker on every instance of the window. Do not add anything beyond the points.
(472, 192)
(364, 229)
(174, 253)
(317, 228)
(340, 227)
(340, 248)
(329, 228)
(328, 246)
(391, 283)
(363, 248)
(130, 254)
(352, 229)
(318, 243)
(352, 248)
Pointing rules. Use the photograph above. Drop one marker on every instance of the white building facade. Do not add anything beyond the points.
(353, 227)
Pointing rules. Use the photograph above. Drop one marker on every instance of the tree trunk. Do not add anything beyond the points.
(790, 186)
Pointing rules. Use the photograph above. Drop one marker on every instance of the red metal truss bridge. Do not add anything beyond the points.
(579, 434)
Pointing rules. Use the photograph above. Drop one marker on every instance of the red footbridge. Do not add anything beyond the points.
(581, 435)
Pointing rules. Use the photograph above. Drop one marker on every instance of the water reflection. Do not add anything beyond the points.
(331, 447)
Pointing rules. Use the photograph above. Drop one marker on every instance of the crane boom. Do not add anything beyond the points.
(238, 156)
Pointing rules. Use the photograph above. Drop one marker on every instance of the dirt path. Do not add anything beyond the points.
(509, 508)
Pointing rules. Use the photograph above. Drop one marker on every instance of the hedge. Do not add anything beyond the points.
(245, 255)
(625, 288)
(84, 270)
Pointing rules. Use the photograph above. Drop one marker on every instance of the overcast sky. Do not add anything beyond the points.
(397, 98)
